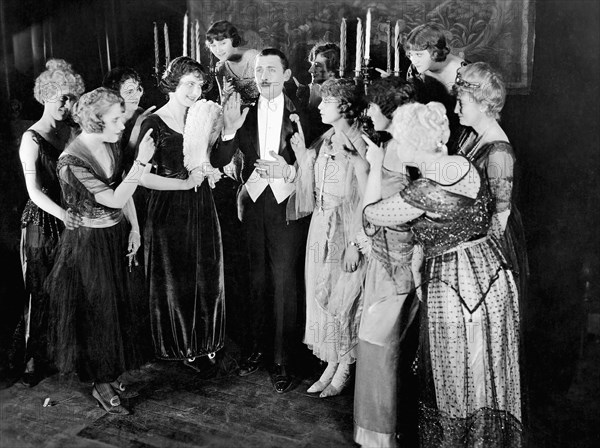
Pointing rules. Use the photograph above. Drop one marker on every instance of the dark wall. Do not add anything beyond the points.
(554, 129)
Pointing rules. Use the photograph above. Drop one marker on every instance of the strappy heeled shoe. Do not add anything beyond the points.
(324, 380)
(338, 383)
(112, 406)
(122, 390)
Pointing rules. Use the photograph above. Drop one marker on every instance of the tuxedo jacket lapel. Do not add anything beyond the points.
(252, 120)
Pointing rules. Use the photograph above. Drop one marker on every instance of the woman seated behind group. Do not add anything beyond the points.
(92, 324)
(235, 66)
(235, 72)
(434, 70)
(184, 260)
(330, 186)
(469, 345)
(481, 94)
(44, 219)
(384, 399)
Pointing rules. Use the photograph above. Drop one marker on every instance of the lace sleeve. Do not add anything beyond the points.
(391, 211)
(499, 170)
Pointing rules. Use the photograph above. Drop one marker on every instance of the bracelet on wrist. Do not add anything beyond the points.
(134, 231)
(137, 162)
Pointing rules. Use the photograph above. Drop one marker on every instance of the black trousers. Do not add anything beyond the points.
(274, 254)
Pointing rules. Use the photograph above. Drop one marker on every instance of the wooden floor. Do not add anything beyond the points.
(175, 408)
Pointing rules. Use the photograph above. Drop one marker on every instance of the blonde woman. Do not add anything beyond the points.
(44, 217)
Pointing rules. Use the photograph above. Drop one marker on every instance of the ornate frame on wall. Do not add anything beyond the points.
(500, 32)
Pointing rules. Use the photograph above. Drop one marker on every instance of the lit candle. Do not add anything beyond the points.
(192, 44)
(368, 36)
(397, 48)
(167, 48)
(185, 34)
(342, 47)
(107, 51)
(358, 62)
(197, 34)
(389, 47)
(156, 56)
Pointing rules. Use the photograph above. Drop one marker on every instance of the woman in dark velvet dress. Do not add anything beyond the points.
(184, 261)
(93, 316)
(44, 218)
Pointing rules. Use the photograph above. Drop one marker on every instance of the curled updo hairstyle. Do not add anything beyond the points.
(352, 101)
(90, 108)
(331, 53)
(391, 93)
(430, 37)
(223, 30)
(423, 127)
(58, 75)
(117, 77)
(178, 68)
(485, 85)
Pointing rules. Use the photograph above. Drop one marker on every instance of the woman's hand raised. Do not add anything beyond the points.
(297, 141)
(375, 154)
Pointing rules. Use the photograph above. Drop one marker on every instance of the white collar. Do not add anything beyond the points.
(278, 101)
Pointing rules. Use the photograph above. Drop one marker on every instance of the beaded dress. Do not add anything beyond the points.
(497, 161)
(40, 232)
(469, 343)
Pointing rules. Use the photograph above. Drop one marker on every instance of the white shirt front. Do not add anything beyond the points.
(269, 121)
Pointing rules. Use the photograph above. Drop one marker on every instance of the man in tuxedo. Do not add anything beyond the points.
(262, 132)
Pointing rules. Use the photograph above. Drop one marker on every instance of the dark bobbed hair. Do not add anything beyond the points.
(275, 52)
(331, 53)
(90, 108)
(352, 101)
(430, 37)
(391, 93)
(178, 68)
(117, 77)
(223, 30)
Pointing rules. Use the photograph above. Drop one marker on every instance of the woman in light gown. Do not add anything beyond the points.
(384, 399)
(44, 218)
(469, 362)
(93, 316)
(332, 176)
(184, 258)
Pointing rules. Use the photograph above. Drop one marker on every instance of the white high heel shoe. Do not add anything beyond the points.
(324, 380)
(338, 383)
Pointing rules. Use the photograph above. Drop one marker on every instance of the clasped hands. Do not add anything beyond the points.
(197, 176)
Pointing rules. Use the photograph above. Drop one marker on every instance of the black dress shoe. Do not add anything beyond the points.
(32, 378)
(281, 379)
(251, 364)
